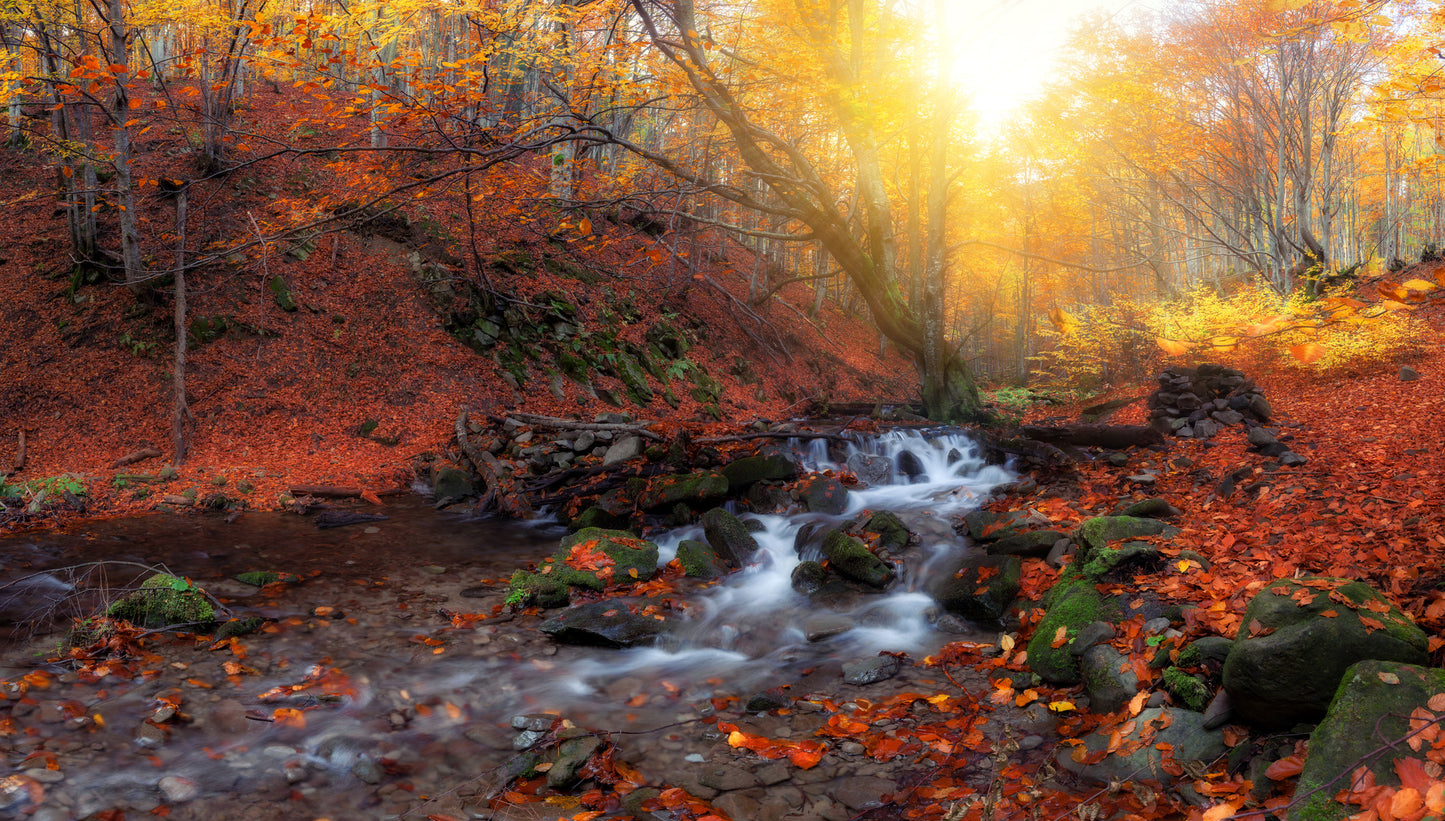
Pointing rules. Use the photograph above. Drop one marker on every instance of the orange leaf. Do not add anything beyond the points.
(288, 717)
(1171, 347)
(1437, 703)
(1060, 636)
(1287, 767)
(1307, 353)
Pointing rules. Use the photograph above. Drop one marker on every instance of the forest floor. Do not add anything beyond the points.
(280, 397)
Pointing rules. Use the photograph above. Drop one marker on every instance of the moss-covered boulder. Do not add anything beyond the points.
(450, 483)
(164, 600)
(552, 589)
(823, 494)
(1108, 678)
(1097, 532)
(1119, 561)
(890, 530)
(596, 516)
(851, 559)
(1071, 604)
(633, 558)
(981, 589)
(1298, 638)
(1035, 543)
(729, 537)
(990, 526)
(810, 578)
(700, 561)
(1371, 707)
(696, 489)
(742, 473)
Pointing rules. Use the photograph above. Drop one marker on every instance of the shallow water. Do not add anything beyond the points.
(421, 709)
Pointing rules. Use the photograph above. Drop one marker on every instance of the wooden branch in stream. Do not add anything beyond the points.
(342, 491)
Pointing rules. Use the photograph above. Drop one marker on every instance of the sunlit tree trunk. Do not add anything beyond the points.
(119, 116)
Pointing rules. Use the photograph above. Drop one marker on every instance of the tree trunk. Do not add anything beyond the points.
(178, 378)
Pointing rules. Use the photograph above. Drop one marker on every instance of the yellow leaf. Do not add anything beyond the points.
(1307, 353)
(1062, 706)
(1183, 565)
(1419, 285)
(1224, 344)
(1006, 643)
(1063, 321)
(1171, 347)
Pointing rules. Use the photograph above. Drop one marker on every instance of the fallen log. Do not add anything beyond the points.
(1101, 436)
(569, 424)
(138, 456)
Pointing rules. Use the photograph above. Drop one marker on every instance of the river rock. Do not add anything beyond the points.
(700, 561)
(852, 560)
(1289, 655)
(870, 670)
(892, 533)
(989, 526)
(1120, 561)
(1034, 543)
(823, 494)
(729, 537)
(742, 473)
(603, 623)
(452, 484)
(1154, 508)
(825, 626)
(1137, 756)
(177, 789)
(809, 578)
(163, 600)
(1108, 678)
(1371, 707)
(909, 465)
(693, 488)
(874, 470)
(572, 755)
(981, 589)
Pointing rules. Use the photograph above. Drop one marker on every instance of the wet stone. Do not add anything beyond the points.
(870, 671)
(43, 775)
(862, 792)
(818, 628)
(178, 790)
(727, 777)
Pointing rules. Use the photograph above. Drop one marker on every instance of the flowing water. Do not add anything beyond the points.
(423, 710)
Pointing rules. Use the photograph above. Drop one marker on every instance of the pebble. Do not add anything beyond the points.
(43, 775)
(373, 529)
(178, 790)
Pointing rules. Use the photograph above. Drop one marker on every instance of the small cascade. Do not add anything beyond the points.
(753, 625)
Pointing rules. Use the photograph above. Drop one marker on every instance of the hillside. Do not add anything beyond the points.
(557, 316)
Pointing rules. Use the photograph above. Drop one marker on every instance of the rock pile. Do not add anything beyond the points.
(1198, 402)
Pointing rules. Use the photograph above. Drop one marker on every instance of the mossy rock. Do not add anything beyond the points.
(281, 293)
(850, 558)
(990, 526)
(164, 600)
(575, 368)
(239, 627)
(551, 590)
(982, 589)
(1097, 532)
(693, 488)
(633, 558)
(1187, 689)
(1299, 636)
(451, 483)
(1155, 508)
(729, 537)
(744, 472)
(596, 516)
(1371, 706)
(1115, 561)
(1072, 603)
(700, 561)
(634, 379)
(892, 534)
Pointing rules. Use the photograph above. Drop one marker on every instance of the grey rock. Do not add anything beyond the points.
(1108, 678)
(604, 623)
(1091, 634)
(1259, 406)
(628, 447)
(1260, 437)
(981, 589)
(870, 670)
(826, 626)
(1205, 428)
(725, 777)
(1033, 543)
(1185, 734)
(1408, 374)
(727, 535)
(874, 470)
(1228, 417)
(1291, 459)
(863, 792)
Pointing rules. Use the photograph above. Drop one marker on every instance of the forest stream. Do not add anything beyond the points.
(389, 682)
